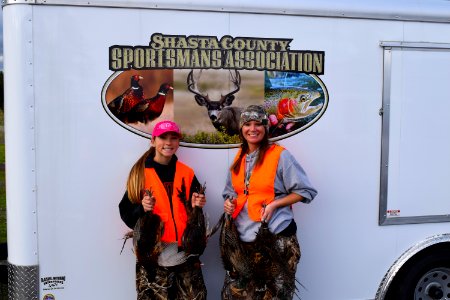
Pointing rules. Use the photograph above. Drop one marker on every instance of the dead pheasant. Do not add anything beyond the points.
(234, 256)
(147, 236)
(257, 265)
(262, 256)
(267, 265)
(194, 237)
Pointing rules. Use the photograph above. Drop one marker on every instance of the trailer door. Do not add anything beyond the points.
(415, 138)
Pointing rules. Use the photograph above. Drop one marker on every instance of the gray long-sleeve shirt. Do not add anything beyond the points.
(290, 178)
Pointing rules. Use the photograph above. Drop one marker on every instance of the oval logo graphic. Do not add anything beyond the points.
(207, 103)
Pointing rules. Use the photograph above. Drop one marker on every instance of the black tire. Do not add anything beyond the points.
(3, 267)
(424, 274)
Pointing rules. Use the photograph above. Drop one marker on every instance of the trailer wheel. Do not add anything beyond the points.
(435, 284)
(426, 277)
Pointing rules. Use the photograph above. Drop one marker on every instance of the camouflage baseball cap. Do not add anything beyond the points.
(254, 113)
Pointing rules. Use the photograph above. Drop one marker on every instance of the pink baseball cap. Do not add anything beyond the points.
(166, 126)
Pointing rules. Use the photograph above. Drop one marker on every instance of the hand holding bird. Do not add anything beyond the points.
(148, 202)
(198, 200)
(229, 206)
(267, 211)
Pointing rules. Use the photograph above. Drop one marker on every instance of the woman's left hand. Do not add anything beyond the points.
(267, 212)
(198, 200)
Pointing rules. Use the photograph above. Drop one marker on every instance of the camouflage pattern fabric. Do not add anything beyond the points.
(278, 285)
(184, 281)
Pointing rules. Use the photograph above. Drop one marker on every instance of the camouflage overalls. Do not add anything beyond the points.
(182, 282)
(281, 286)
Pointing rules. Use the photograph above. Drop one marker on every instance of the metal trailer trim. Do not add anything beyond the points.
(20, 139)
(418, 45)
(429, 11)
(393, 270)
(20, 143)
(23, 282)
(385, 113)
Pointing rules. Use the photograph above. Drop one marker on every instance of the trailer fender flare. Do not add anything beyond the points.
(405, 257)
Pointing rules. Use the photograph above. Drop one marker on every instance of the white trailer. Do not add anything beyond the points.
(378, 155)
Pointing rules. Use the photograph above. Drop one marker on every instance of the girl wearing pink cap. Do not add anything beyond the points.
(163, 205)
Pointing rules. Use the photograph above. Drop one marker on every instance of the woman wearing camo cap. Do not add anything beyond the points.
(263, 183)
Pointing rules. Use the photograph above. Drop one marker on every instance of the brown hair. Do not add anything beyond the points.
(135, 182)
(263, 147)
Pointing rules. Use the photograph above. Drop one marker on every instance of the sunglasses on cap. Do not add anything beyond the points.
(248, 116)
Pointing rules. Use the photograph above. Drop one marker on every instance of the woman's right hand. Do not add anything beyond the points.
(148, 203)
(229, 206)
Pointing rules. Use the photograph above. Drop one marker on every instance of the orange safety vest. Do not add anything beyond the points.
(174, 224)
(261, 184)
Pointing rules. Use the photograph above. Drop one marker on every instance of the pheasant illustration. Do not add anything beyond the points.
(149, 109)
(123, 104)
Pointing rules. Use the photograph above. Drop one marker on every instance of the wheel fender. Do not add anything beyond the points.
(405, 257)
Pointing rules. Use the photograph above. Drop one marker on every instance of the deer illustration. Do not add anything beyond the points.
(223, 116)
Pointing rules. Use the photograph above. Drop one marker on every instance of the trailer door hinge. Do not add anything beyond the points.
(381, 111)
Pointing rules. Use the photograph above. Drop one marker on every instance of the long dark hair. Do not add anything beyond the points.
(263, 147)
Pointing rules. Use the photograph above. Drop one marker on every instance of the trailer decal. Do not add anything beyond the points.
(204, 52)
(393, 212)
(176, 75)
(207, 103)
(53, 283)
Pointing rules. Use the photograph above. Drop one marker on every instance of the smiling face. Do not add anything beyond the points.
(165, 145)
(253, 132)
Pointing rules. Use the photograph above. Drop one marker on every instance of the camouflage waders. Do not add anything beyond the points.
(184, 281)
(280, 285)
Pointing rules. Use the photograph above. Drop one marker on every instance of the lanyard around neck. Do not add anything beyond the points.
(248, 169)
